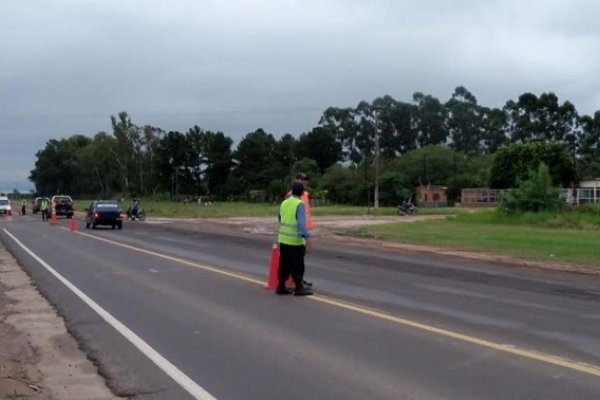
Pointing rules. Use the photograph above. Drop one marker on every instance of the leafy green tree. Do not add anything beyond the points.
(98, 172)
(536, 193)
(254, 157)
(172, 156)
(320, 145)
(58, 168)
(512, 163)
(342, 184)
(286, 153)
(393, 186)
(218, 157)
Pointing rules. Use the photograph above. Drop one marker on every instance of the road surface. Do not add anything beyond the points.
(176, 310)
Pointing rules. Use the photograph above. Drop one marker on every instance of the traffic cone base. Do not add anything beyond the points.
(273, 269)
(53, 220)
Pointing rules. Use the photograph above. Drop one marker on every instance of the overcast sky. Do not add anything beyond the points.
(235, 66)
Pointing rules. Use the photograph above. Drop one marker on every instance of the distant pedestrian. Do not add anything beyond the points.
(294, 241)
(44, 208)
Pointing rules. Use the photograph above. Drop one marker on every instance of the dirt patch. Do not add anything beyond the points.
(38, 358)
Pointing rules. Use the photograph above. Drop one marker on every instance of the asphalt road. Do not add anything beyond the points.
(190, 318)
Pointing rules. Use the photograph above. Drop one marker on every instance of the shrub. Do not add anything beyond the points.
(534, 194)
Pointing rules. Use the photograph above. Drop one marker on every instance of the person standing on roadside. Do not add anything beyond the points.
(305, 197)
(304, 179)
(294, 241)
(44, 209)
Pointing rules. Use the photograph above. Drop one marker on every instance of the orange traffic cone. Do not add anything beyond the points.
(53, 220)
(273, 269)
(73, 224)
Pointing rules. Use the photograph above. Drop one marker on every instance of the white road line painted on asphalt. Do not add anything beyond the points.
(165, 365)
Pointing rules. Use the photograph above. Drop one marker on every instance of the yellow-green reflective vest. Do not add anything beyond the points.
(44, 206)
(288, 226)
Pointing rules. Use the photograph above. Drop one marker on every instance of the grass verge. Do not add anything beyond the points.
(486, 233)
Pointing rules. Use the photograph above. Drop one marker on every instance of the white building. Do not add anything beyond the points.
(586, 192)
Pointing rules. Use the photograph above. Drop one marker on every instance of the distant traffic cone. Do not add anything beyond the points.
(53, 220)
(273, 269)
(73, 224)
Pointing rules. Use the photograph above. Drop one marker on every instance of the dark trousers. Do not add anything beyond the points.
(44, 215)
(291, 262)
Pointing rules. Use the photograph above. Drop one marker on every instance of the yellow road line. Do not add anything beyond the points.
(529, 354)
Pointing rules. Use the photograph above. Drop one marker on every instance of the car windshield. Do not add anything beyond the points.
(62, 198)
(3, 202)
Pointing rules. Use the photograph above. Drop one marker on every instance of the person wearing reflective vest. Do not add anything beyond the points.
(294, 241)
(44, 209)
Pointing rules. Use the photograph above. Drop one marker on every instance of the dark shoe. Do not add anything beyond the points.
(283, 291)
(303, 292)
(305, 283)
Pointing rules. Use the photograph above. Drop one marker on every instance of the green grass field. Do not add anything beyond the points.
(539, 239)
(571, 237)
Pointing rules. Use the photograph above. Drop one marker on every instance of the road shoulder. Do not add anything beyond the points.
(39, 359)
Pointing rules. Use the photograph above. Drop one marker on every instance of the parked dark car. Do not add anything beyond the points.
(104, 212)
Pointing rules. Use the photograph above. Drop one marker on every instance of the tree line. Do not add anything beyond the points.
(457, 144)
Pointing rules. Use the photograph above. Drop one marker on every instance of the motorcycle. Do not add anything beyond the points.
(139, 214)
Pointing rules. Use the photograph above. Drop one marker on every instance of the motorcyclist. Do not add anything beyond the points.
(135, 207)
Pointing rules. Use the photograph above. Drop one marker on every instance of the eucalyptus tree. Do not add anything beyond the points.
(542, 119)
(127, 149)
(428, 120)
(147, 173)
(343, 122)
(464, 122)
(217, 156)
(494, 127)
(588, 154)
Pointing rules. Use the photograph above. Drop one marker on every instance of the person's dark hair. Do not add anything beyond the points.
(302, 176)
(297, 189)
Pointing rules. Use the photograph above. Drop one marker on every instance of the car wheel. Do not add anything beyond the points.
(113, 226)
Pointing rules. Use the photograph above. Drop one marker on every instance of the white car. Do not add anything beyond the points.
(5, 206)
